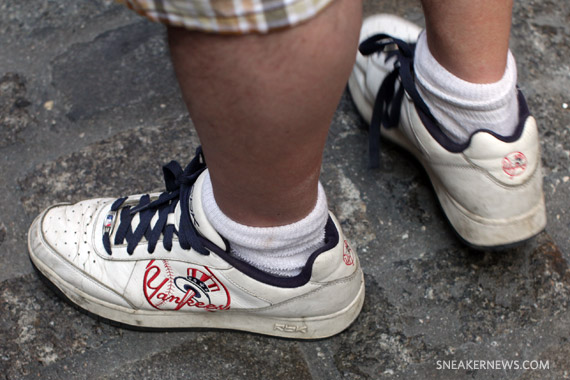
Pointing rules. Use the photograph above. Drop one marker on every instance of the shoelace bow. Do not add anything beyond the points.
(386, 110)
(178, 186)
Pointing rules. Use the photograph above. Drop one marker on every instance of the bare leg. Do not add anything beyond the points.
(262, 105)
(470, 38)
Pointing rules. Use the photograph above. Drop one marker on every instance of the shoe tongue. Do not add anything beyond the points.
(198, 216)
(113, 221)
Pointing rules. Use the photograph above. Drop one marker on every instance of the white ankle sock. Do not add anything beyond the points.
(281, 251)
(462, 107)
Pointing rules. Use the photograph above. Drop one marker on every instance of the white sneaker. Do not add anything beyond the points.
(162, 265)
(489, 188)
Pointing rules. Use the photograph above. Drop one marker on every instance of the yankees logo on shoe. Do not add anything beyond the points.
(156, 261)
(166, 289)
(490, 187)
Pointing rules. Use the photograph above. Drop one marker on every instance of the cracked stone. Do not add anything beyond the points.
(14, 116)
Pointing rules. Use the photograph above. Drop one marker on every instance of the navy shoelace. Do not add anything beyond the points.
(388, 102)
(178, 187)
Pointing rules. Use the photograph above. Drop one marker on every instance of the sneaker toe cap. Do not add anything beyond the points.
(60, 242)
(67, 229)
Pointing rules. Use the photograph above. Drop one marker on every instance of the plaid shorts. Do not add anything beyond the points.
(229, 16)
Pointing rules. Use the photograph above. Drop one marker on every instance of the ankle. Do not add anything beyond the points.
(462, 107)
(282, 250)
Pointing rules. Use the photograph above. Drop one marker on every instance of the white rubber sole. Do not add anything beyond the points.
(475, 230)
(296, 328)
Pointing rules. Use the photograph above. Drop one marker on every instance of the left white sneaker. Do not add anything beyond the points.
(156, 261)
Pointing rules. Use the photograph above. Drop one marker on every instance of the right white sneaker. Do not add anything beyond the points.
(489, 188)
(156, 261)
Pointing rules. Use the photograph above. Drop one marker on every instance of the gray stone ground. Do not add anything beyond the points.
(89, 107)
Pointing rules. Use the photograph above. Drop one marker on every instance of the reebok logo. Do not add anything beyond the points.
(290, 328)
